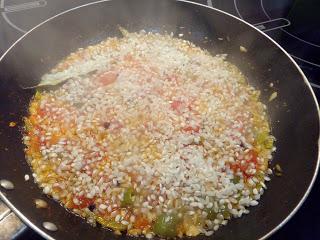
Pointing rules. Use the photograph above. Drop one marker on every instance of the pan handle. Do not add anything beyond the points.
(272, 24)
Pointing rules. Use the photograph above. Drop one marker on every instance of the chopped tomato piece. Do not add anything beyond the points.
(254, 156)
(132, 61)
(191, 129)
(34, 143)
(108, 78)
(176, 105)
(141, 223)
(243, 166)
(128, 57)
(54, 139)
(42, 112)
(84, 202)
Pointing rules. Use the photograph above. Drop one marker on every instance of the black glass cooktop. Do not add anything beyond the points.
(294, 24)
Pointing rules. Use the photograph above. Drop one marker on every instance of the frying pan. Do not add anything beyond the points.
(294, 114)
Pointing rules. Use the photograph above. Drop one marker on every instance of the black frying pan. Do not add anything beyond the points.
(294, 113)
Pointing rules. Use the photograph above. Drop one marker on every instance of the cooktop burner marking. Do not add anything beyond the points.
(19, 8)
(303, 60)
(11, 23)
(25, 6)
(312, 44)
(279, 22)
(263, 26)
(236, 7)
(292, 35)
(314, 85)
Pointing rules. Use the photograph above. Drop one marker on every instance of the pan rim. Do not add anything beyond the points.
(305, 79)
(306, 194)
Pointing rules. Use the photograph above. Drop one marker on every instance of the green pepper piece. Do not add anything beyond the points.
(258, 186)
(226, 214)
(166, 225)
(128, 197)
(264, 140)
(116, 226)
(212, 215)
(251, 192)
(236, 179)
(111, 224)
(268, 143)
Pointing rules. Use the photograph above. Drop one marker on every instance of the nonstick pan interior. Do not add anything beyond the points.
(293, 114)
